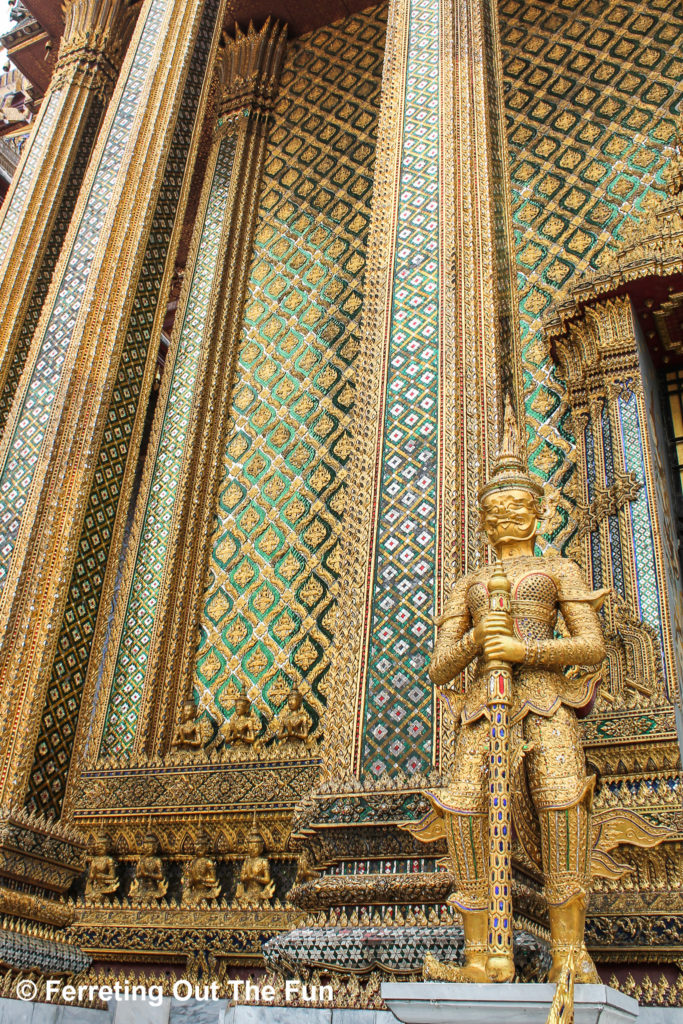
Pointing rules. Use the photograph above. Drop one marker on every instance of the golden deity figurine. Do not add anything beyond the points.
(103, 877)
(200, 881)
(243, 726)
(256, 884)
(550, 792)
(293, 723)
(187, 734)
(306, 868)
(150, 882)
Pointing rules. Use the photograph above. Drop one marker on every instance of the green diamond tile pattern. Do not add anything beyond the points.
(52, 251)
(60, 716)
(591, 90)
(642, 516)
(135, 645)
(268, 607)
(37, 144)
(398, 706)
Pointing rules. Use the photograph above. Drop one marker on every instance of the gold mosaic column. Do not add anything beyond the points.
(35, 216)
(151, 648)
(80, 407)
(440, 348)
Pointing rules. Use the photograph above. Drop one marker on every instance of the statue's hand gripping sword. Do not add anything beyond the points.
(500, 964)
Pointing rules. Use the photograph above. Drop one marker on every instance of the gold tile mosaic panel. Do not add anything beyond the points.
(268, 610)
(591, 91)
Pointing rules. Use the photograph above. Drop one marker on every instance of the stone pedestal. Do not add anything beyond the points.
(437, 1002)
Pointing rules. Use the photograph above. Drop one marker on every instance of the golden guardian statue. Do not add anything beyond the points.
(518, 754)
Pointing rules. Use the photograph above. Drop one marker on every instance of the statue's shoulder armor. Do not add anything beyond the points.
(458, 604)
(569, 578)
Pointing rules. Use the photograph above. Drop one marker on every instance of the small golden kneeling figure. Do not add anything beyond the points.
(103, 877)
(200, 881)
(306, 868)
(294, 723)
(256, 884)
(187, 735)
(243, 725)
(150, 882)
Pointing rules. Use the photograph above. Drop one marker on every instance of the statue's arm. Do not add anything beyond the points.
(455, 644)
(586, 644)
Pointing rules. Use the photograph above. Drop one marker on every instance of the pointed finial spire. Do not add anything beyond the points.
(254, 832)
(510, 469)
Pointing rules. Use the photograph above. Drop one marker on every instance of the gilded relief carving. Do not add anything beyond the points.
(256, 885)
(103, 879)
(150, 883)
(293, 724)
(200, 881)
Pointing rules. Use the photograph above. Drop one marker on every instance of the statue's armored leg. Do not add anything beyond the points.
(566, 837)
(466, 838)
(467, 848)
(563, 796)
(466, 826)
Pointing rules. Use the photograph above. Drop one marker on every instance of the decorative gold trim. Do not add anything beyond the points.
(94, 41)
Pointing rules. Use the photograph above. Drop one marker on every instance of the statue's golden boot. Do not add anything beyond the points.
(500, 968)
(567, 925)
(475, 926)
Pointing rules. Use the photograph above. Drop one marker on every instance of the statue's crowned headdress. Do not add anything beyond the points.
(254, 832)
(510, 468)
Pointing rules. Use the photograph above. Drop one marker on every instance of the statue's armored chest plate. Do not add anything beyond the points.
(534, 600)
(534, 588)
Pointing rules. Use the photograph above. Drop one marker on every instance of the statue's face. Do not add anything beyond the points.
(149, 847)
(294, 701)
(100, 847)
(255, 847)
(509, 515)
(189, 711)
(242, 706)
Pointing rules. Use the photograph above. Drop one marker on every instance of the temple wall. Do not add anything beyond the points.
(590, 94)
